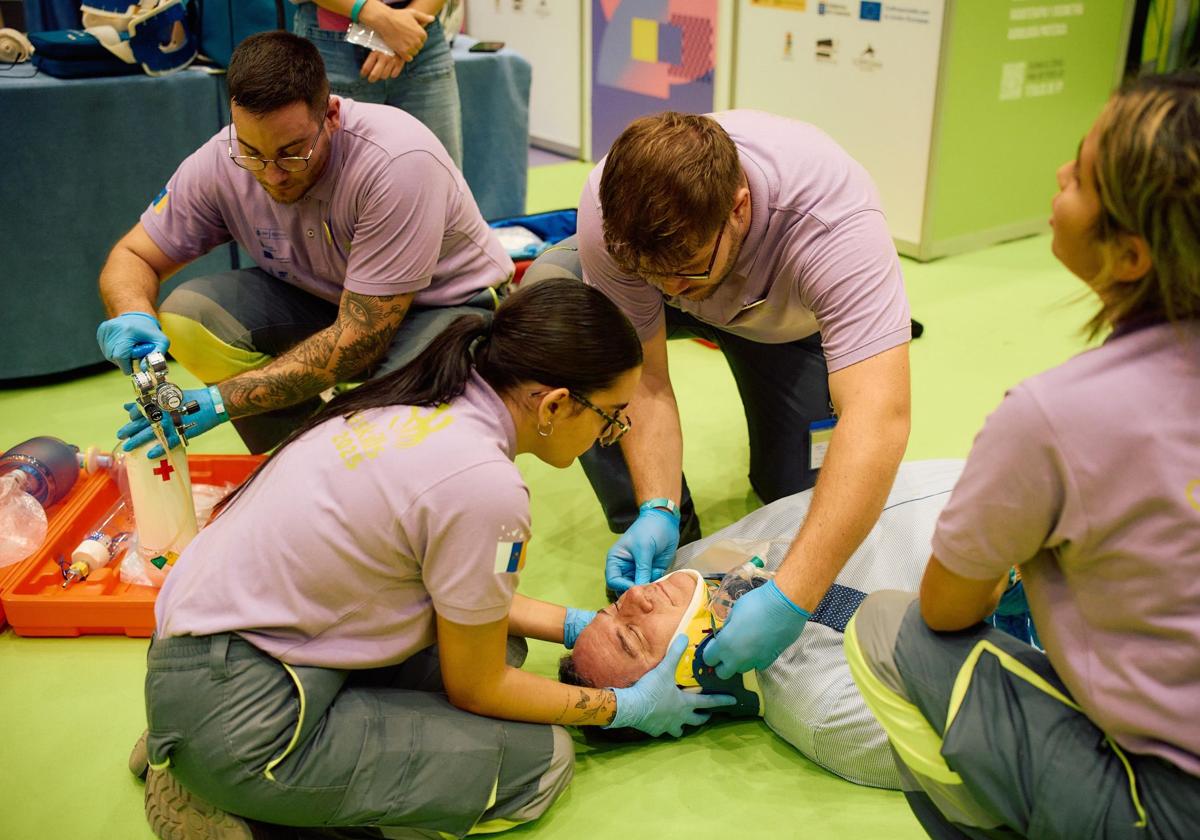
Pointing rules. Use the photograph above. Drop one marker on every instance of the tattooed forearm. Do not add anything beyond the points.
(266, 390)
(364, 328)
(356, 355)
(590, 707)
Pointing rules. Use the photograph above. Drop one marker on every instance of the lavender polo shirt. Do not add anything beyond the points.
(389, 215)
(1088, 476)
(817, 258)
(351, 540)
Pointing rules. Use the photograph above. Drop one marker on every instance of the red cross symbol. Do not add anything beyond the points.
(164, 469)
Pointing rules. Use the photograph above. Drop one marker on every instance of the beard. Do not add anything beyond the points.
(705, 292)
(288, 198)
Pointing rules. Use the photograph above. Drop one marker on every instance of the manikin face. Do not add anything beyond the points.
(1076, 210)
(630, 637)
(290, 131)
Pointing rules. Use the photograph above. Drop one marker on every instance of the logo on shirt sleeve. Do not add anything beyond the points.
(510, 556)
(160, 201)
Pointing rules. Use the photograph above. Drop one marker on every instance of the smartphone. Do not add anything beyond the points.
(487, 46)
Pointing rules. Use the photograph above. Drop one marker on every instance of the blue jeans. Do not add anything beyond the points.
(427, 88)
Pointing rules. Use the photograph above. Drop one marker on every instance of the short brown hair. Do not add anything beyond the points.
(271, 70)
(1148, 176)
(668, 186)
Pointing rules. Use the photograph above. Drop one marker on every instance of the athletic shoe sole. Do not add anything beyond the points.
(174, 813)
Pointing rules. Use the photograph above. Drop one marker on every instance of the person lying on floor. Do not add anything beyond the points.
(807, 696)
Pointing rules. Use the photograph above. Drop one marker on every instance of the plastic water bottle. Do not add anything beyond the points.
(735, 584)
(369, 38)
(33, 476)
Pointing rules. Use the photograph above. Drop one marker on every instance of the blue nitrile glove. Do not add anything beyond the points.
(574, 623)
(131, 335)
(137, 432)
(761, 624)
(644, 552)
(655, 704)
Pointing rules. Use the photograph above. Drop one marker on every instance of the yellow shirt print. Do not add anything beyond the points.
(361, 440)
(420, 423)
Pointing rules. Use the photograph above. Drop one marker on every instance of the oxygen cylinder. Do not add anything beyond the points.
(163, 511)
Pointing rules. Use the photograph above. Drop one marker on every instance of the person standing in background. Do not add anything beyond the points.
(418, 79)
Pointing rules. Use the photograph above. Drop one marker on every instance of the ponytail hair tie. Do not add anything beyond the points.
(478, 345)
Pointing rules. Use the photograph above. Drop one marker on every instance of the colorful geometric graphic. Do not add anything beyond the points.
(649, 56)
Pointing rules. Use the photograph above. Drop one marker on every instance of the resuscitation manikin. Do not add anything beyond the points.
(151, 33)
(693, 675)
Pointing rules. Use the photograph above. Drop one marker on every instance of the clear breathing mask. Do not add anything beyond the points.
(691, 674)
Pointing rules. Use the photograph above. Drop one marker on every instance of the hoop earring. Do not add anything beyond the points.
(545, 434)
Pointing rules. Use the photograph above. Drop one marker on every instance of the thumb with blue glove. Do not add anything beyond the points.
(210, 413)
(574, 623)
(761, 624)
(129, 336)
(644, 552)
(655, 704)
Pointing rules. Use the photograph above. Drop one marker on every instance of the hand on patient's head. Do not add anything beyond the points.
(657, 706)
(628, 638)
(642, 554)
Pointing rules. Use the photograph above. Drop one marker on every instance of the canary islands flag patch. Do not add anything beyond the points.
(160, 201)
(510, 557)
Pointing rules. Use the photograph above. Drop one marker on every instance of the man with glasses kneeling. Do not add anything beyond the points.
(365, 239)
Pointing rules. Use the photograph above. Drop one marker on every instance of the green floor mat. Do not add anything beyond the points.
(70, 709)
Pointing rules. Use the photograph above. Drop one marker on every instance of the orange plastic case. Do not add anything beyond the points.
(33, 599)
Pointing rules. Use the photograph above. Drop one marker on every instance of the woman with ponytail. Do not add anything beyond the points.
(294, 678)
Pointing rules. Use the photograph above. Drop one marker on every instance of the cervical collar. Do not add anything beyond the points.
(693, 675)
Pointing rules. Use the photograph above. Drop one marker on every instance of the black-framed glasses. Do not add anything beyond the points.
(711, 262)
(614, 427)
(291, 163)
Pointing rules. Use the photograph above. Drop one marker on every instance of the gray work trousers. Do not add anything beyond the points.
(381, 750)
(223, 324)
(990, 744)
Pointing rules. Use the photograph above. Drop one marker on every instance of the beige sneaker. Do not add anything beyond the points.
(139, 759)
(176, 814)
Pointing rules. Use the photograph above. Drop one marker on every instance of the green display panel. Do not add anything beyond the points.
(1021, 82)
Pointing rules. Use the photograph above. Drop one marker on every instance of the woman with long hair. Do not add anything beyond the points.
(1087, 479)
(294, 678)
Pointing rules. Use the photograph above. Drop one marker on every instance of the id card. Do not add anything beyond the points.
(819, 435)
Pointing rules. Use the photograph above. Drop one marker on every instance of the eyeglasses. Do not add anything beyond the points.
(711, 262)
(614, 427)
(290, 163)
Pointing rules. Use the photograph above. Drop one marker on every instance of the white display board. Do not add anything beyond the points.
(548, 34)
(866, 73)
